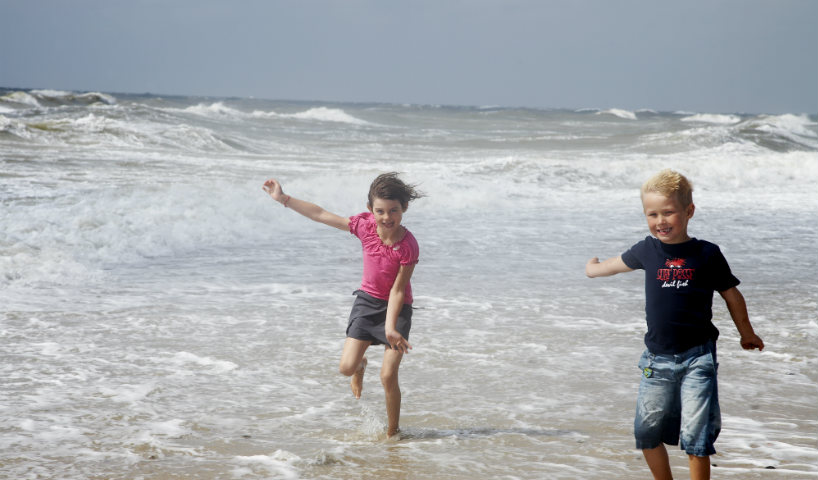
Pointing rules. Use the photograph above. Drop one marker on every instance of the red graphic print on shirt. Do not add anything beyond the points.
(675, 263)
(675, 275)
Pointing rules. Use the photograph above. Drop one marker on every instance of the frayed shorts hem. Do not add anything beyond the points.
(696, 452)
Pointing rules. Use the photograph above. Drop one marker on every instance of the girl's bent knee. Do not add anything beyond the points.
(389, 380)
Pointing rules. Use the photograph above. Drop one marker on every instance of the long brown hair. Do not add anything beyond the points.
(389, 187)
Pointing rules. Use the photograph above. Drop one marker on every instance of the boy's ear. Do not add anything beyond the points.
(690, 209)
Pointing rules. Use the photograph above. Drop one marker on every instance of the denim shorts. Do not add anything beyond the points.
(678, 400)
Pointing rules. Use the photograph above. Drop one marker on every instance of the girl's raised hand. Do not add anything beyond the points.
(273, 188)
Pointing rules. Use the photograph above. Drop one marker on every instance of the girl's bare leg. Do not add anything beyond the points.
(389, 379)
(353, 363)
(356, 383)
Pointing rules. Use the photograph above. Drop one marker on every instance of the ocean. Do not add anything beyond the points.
(162, 318)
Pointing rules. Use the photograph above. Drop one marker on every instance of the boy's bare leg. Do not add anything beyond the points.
(658, 462)
(389, 379)
(353, 363)
(699, 467)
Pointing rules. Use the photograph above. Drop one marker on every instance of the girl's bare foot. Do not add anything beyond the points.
(357, 380)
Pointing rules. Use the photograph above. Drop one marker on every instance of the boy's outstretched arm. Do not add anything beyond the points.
(611, 266)
(738, 311)
(309, 210)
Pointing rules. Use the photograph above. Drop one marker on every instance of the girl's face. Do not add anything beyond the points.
(388, 213)
(667, 218)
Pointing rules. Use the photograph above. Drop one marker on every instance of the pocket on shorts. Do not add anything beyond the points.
(646, 364)
(706, 364)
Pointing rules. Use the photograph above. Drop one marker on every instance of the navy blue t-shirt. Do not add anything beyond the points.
(679, 283)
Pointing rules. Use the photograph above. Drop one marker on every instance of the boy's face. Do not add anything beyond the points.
(667, 218)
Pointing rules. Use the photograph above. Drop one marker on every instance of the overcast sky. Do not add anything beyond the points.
(715, 56)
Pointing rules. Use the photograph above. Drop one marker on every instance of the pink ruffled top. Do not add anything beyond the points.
(382, 262)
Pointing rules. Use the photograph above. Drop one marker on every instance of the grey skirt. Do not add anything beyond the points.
(367, 319)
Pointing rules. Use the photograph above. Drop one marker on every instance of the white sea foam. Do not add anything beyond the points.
(617, 112)
(23, 98)
(794, 127)
(713, 118)
(51, 93)
(169, 428)
(73, 240)
(219, 366)
(321, 114)
(325, 114)
(109, 135)
(99, 97)
(280, 463)
(329, 115)
(70, 97)
(128, 393)
(217, 109)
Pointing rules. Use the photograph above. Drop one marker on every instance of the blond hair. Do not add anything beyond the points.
(670, 184)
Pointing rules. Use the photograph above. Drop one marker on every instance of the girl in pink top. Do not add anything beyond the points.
(382, 312)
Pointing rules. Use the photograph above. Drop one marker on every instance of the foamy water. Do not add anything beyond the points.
(163, 318)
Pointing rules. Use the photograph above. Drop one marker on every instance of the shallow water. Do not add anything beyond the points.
(163, 318)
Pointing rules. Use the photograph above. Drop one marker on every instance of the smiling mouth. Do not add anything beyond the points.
(663, 231)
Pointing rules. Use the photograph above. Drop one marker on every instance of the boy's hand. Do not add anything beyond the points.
(738, 311)
(590, 266)
(752, 342)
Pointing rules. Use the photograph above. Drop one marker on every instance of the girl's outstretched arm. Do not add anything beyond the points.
(396, 297)
(309, 210)
(611, 266)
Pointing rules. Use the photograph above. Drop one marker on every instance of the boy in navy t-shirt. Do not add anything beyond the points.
(678, 396)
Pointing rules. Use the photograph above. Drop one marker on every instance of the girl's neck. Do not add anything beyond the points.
(397, 235)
